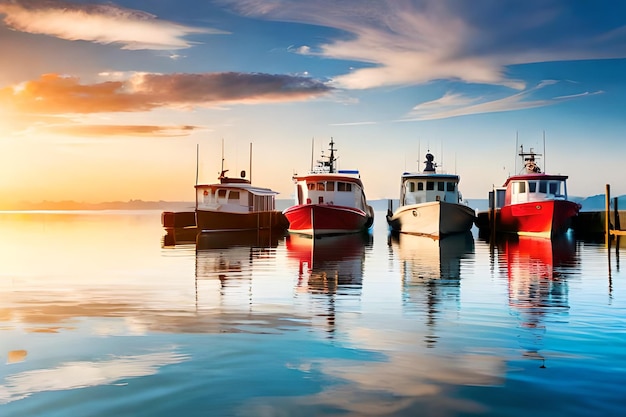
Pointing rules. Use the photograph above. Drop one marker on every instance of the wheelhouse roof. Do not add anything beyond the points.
(244, 187)
(328, 177)
(422, 176)
(535, 177)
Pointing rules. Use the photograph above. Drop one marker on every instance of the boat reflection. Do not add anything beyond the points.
(431, 273)
(329, 268)
(536, 270)
(224, 264)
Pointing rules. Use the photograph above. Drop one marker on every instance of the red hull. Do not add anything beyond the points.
(323, 219)
(539, 218)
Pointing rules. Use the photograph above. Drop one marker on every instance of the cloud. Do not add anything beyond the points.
(101, 23)
(122, 130)
(453, 105)
(83, 374)
(403, 42)
(52, 102)
(56, 94)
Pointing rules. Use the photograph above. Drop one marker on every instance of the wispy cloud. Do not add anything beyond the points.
(412, 42)
(99, 23)
(453, 105)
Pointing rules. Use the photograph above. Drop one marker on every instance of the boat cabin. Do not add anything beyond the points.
(334, 189)
(424, 188)
(234, 199)
(537, 187)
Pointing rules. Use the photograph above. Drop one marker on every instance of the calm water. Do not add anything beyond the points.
(99, 318)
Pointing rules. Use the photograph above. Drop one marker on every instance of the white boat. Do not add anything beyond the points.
(430, 204)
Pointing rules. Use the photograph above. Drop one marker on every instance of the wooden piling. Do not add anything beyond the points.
(607, 217)
(615, 229)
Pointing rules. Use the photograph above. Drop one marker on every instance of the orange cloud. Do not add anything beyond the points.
(55, 94)
(123, 130)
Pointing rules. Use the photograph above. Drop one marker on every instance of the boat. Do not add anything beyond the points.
(329, 201)
(430, 204)
(235, 204)
(531, 203)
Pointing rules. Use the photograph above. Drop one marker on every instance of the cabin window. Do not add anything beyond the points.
(233, 195)
(543, 187)
(310, 186)
(450, 186)
(532, 187)
(430, 185)
(441, 186)
(221, 193)
(330, 186)
(519, 187)
(555, 188)
(320, 186)
(420, 186)
(344, 186)
(411, 187)
(300, 193)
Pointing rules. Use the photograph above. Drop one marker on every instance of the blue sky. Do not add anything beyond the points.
(108, 101)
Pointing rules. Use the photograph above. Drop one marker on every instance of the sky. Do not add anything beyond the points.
(112, 101)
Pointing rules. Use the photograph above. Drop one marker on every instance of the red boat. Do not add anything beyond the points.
(534, 203)
(329, 201)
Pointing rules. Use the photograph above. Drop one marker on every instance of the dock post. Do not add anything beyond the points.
(616, 224)
(492, 213)
(607, 216)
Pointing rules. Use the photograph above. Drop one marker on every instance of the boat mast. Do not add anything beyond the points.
(222, 170)
(250, 170)
(544, 151)
(197, 165)
(331, 159)
(516, 147)
(312, 151)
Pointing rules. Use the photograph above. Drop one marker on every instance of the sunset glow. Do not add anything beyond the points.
(103, 102)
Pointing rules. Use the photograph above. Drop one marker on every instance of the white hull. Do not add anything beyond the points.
(436, 218)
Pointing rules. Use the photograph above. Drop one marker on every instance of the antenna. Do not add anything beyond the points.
(197, 165)
(250, 170)
(197, 160)
(442, 164)
(312, 151)
(516, 139)
(419, 153)
(222, 171)
(544, 152)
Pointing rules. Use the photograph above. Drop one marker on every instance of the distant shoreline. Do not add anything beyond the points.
(592, 203)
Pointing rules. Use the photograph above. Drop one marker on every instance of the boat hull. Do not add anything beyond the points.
(208, 220)
(436, 218)
(326, 219)
(539, 218)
